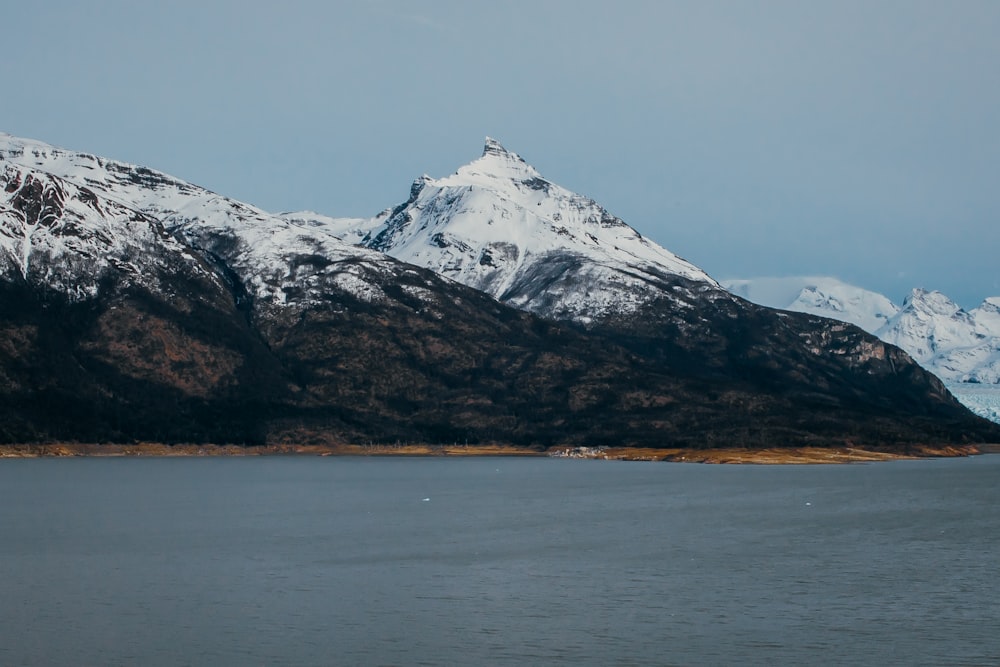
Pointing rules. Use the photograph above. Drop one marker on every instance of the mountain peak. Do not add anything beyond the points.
(496, 165)
(498, 226)
(494, 151)
(930, 301)
(819, 295)
(418, 185)
(494, 147)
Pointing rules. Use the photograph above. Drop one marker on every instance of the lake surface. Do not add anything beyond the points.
(488, 561)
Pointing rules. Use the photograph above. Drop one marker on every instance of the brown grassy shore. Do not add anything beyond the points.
(775, 455)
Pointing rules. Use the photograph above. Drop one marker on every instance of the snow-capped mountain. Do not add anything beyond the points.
(275, 261)
(134, 305)
(498, 226)
(955, 344)
(67, 237)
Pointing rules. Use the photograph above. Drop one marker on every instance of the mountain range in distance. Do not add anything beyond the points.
(491, 306)
(960, 346)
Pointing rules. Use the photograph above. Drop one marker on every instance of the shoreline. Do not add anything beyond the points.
(734, 455)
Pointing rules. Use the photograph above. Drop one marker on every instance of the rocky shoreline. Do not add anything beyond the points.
(770, 456)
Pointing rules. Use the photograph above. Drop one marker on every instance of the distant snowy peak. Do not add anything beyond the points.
(932, 302)
(988, 314)
(497, 225)
(933, 328)
(819, 295)
(955, 344)
(991, 303)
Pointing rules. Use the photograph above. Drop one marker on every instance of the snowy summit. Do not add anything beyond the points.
(499, 226)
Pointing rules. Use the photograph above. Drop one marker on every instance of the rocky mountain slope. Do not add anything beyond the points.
(134, 305)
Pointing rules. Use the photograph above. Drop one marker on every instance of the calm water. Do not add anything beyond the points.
(343, 561)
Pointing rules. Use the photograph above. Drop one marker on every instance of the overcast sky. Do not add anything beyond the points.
(853, 139)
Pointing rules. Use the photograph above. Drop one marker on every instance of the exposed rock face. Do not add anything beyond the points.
(136, 306)
(65, 237)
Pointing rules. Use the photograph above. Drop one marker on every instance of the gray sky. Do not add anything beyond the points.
(854, 139)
